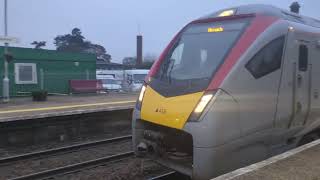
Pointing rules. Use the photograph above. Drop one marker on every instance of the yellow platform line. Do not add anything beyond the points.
(65, 107)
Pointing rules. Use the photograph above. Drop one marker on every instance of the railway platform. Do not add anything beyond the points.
(300, 163)
(25, 108)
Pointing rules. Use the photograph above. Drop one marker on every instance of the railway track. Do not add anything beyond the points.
(57, 151)
(69, 168)
(170, 175)
(74, 167)
(163, 176)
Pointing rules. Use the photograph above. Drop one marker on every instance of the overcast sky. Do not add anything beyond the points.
(114, 23)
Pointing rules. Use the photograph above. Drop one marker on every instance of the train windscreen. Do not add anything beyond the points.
(196, 56)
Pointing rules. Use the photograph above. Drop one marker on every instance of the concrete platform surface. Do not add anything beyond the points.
(25, 108)
(302, 163)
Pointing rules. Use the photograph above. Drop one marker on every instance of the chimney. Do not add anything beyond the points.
(139, 50)
(295, 7)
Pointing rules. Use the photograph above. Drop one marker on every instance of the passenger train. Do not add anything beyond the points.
(231, 89)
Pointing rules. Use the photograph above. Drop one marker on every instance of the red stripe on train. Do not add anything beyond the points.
(225, 18)
(258, 25)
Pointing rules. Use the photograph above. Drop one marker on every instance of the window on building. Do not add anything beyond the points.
(303, 58)
(25, 73)
(268, 59)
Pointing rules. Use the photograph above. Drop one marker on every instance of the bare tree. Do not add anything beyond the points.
(38, 45)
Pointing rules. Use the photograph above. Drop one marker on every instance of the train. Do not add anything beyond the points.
(232, 88)
(122, 80)
(134, 79)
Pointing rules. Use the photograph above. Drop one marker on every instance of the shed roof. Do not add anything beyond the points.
(43, 54)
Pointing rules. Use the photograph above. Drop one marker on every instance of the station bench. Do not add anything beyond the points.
(85, 86)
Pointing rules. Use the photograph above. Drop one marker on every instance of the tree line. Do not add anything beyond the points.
(76, 42)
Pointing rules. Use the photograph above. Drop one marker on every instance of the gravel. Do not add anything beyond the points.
(129, 169)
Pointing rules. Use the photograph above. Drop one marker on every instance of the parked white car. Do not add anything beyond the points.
(111, 85)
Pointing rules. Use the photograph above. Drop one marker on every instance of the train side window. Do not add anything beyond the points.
(303, 58)
(268, 59)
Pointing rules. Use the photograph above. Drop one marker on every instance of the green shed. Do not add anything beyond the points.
(36, 69)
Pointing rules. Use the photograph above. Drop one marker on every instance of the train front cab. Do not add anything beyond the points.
(207, 119)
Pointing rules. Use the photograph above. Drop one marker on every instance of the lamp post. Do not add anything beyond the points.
(6, 80)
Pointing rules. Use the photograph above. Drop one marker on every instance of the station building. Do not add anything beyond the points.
(38, 69)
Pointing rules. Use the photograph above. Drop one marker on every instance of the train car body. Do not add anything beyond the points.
(134, 79)
(231, 89)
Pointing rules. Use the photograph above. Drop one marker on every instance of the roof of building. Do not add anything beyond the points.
(270, 11)
(111, 66)
(43, 54)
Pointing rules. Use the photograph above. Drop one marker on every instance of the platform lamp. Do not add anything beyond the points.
(7, 57)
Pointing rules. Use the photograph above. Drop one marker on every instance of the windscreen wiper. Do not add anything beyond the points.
(169, 75)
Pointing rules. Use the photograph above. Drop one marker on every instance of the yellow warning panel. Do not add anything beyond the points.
(172, 111)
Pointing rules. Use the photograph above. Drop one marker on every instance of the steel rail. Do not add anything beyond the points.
(164, 176)
(66, 149)
(74, 167)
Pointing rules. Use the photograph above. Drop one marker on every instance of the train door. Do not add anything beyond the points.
(294, 91)
(302, 85)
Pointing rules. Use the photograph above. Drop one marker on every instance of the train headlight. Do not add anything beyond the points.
(202, 104)
(228, 12)
(141, 95)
